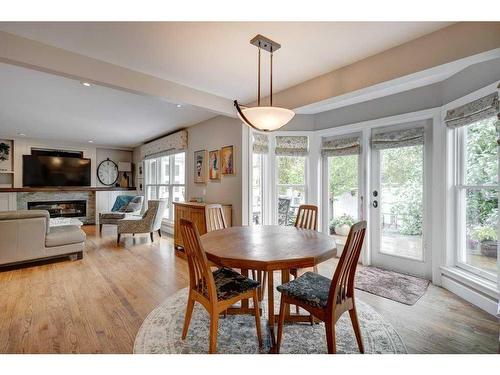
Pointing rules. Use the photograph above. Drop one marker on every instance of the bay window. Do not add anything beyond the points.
(165, 178)
(277, 177)
(476, 186)
(341, 155)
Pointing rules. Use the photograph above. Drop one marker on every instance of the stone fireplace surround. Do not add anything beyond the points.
(24, 197)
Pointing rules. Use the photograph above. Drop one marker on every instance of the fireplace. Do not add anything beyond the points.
(68, 208)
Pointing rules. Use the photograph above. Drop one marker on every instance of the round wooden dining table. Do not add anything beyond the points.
(268, 248)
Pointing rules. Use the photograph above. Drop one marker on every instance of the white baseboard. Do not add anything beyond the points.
(167, 227)
(484, 302)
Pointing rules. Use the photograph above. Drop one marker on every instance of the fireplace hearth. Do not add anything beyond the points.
(66, 208)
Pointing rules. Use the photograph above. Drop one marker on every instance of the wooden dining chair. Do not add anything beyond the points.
(217, 290)
(214, 217)
(328, 299)
(307, 217)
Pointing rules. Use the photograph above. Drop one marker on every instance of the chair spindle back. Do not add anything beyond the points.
(307, 217)
(342, 287)
(200, 276)
(214, 217)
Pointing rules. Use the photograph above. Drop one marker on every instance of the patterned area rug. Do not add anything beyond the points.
(160, 332)
(392, 285)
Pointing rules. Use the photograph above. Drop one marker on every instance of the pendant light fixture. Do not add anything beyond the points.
(264, 118)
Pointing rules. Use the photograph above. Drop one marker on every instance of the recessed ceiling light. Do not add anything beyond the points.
(21, 134)
(91, 141)
(178, 105)
(86, 84)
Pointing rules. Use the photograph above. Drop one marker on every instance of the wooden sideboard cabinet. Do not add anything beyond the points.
(194, 212)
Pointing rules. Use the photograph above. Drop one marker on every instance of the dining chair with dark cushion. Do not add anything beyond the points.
(327, 299)
(307, 218)
(283, 210)
(215, 290)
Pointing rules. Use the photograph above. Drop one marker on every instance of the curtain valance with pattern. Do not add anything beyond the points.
(260, 143)
(292, 145)
(397, 138)
(341, 146)
(167, 145)
(477, 110)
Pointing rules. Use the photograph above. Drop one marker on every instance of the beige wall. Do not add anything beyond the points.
(212, 135)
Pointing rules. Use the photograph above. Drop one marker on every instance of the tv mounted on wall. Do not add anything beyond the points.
(41, 171)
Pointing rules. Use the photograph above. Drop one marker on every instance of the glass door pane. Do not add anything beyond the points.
(401, 201)
(343, 193)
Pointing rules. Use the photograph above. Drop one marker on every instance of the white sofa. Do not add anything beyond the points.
(26, 235)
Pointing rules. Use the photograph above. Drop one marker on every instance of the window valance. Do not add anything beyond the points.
(167, 145)
(341, 146)
(260, 143)
(291, 145)
(398, 138)
(477, 110)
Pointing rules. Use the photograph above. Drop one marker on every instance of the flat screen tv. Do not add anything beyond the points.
(55, 171)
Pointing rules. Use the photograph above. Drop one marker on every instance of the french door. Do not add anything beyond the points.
(398, 201)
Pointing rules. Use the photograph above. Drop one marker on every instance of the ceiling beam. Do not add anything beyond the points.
(31, 54)
(443, 46)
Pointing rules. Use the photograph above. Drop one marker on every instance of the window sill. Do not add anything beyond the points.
(470, 280)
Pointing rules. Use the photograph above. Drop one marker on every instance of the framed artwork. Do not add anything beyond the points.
(214, 165)
(227, 160)
(5, 155)
(200, 167)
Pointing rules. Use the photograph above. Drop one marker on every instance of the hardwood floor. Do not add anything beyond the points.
(97, 305)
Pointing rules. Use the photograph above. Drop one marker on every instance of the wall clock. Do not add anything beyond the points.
(107, 172)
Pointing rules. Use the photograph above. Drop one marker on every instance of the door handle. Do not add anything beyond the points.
(375, 204)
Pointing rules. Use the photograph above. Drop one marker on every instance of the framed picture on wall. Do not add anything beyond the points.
(227, 160)
(214, 165)
(5, 155)
(200, 166)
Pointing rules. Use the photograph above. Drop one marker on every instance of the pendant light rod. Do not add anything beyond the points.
(258, 84)
(271, 80)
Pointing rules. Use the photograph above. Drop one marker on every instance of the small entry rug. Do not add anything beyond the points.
(389, 284)
(160, 332)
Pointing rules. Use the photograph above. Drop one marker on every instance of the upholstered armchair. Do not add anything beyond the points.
(125, 206)
(149, 222)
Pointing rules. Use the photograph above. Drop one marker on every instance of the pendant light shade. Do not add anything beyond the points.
(264, 118)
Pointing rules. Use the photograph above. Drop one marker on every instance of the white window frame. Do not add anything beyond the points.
(485, 285)
(459, 188)
(263, 190)
(325, 174)
(170, 186)
(269, 190)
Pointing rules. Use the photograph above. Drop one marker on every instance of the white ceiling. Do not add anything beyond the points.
(216, 56)
(42, 105)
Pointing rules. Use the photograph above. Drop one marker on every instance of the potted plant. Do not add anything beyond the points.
(487, 236)
(341, 225)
